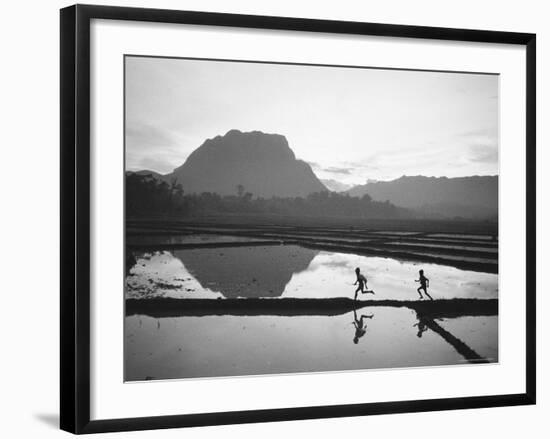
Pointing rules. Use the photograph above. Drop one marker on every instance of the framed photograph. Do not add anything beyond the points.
(274, 218)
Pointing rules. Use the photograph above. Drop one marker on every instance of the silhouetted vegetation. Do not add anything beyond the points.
(146, 195)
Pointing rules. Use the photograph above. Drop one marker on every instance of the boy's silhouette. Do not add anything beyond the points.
(360, 326)
(421, 324)
(424, 284)
(362, 281)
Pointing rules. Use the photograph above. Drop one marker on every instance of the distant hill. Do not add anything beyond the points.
(468, 197)
(255, 162)
(146, 172)
(336, 186)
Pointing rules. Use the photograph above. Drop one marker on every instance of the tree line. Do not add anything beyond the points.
(148, 196)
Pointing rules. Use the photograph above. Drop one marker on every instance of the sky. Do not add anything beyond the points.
(350, 124)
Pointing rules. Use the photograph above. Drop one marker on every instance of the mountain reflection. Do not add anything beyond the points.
(249, 272)
(246, 271)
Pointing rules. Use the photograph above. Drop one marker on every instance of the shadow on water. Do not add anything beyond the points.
(462, 348)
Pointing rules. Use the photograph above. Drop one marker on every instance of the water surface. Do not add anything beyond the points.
(230, 346)
(293, 271)
(372, 337)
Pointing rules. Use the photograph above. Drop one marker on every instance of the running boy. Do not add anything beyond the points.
(362, 281)
(424, 284)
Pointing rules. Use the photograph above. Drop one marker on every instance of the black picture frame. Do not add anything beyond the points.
(75, 217)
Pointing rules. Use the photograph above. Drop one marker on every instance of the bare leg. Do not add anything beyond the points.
(419, 292)
(366, 290)
(426, 292)
(356, 291)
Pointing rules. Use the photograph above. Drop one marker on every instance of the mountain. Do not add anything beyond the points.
(255, 162)
(146, 172)
(336, 186)
(468, 197)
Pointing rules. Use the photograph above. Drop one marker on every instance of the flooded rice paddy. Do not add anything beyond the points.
(368, 337)
(292, 271)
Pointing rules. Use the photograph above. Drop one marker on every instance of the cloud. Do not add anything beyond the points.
(154, 163)
(367, 167)
(153, 148)
(314, 165)
(482, 145)
(337, 264)
(143, 134)
(406, 157)
(476, 133)
(483, 153)
(338, 170)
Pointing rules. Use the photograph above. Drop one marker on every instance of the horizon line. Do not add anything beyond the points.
(373, 180)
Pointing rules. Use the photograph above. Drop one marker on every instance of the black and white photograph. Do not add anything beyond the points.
(275, 219)
(295, 218)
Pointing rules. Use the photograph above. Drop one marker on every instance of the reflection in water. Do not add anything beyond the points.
(160, 274)
(262, 271)
(207, 346)
(187, 347)
(292, 271)
(190, 347)
(360, 325)
(421, 325)
(329, 275)
(130, 262)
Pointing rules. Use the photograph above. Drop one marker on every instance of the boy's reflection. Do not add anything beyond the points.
(360, 325)
(421, 324)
